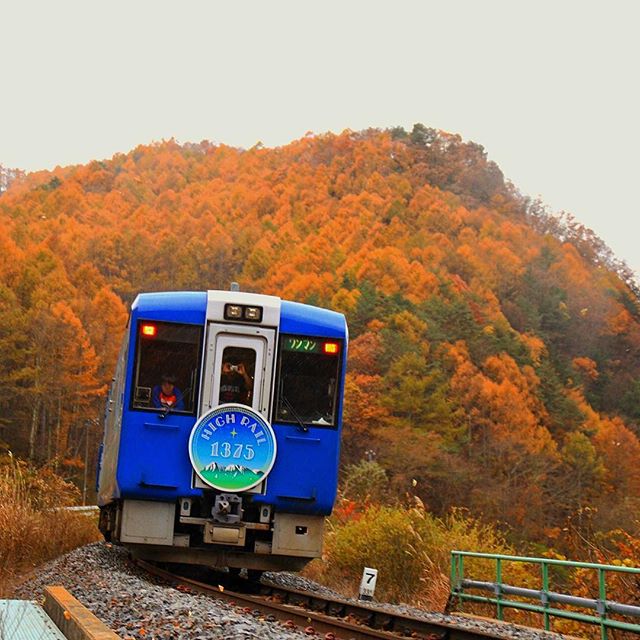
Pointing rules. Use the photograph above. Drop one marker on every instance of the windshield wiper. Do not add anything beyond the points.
(166, 410)
(301, 425)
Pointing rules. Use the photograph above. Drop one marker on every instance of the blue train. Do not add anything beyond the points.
(222, 430)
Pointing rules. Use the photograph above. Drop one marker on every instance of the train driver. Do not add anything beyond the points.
(236, 385)
(166, 395)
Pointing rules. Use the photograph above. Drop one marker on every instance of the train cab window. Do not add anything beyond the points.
(167, 365)
(236, 376)
(308, 375)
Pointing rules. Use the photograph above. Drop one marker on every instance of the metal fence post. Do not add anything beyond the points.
(545, 593)
(454, 581)
(455, 571)
(602, 608)
(499, 587)
(461, 575)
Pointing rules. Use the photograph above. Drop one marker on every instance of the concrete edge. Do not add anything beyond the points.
(72, 618)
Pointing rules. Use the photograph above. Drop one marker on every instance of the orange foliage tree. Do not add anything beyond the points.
(495, 354)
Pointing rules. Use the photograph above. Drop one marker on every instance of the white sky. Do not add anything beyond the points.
(550, 88)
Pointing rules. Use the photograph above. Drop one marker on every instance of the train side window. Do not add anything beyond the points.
(308, 375)
(167, 366)
(236, 377)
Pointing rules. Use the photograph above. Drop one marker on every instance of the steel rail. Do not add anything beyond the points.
(326, 615)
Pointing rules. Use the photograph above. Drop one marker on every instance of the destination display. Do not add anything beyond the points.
(304, 344)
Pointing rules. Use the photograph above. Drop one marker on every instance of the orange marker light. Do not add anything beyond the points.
(149, 330)
(330, 348)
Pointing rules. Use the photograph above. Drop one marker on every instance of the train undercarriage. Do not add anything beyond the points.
(217, 531)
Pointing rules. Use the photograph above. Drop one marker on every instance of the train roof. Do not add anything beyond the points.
(191, 307)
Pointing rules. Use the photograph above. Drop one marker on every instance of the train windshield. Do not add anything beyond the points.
(308, 375)
(167, 365)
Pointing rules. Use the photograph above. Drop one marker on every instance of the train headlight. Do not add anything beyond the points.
(253, 313)
(242, 312)
(232, 312)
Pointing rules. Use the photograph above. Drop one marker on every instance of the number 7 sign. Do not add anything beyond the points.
(368, 583)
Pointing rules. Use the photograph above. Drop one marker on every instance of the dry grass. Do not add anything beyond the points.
(31, 530)
(411, 550)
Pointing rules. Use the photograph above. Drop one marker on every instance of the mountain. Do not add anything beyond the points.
(231, 468)
(232, 476)
(495, 355)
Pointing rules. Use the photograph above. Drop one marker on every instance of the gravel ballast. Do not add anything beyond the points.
(138, 606)
(500, 629)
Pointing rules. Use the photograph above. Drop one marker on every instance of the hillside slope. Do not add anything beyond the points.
(495, 361)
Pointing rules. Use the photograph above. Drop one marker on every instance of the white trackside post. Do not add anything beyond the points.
(368, 583)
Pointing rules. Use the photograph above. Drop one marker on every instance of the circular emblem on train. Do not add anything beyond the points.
(232, 448)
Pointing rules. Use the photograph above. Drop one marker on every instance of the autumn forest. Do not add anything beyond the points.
(495, 348)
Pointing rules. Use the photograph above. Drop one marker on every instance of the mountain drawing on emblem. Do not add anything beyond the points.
(232, 476)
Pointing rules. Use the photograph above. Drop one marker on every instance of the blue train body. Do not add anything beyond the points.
(188, 357)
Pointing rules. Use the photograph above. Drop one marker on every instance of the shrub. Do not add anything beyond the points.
(380, 538)
(365, 482)
(411, 550)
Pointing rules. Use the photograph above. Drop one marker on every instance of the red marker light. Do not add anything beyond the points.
(330, 348)
(149, 330)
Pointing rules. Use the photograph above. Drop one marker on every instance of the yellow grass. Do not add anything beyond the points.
(411, 550)
(32, 531)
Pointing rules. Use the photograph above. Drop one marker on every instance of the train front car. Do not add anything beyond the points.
(222, 430)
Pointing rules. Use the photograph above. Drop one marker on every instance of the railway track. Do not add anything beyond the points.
(317, 614)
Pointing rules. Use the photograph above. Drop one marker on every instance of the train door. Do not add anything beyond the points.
(238, 367)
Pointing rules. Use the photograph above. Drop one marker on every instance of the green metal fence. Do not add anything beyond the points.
(544, 598)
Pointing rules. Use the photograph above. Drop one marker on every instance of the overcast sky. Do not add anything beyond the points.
(549, 88)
